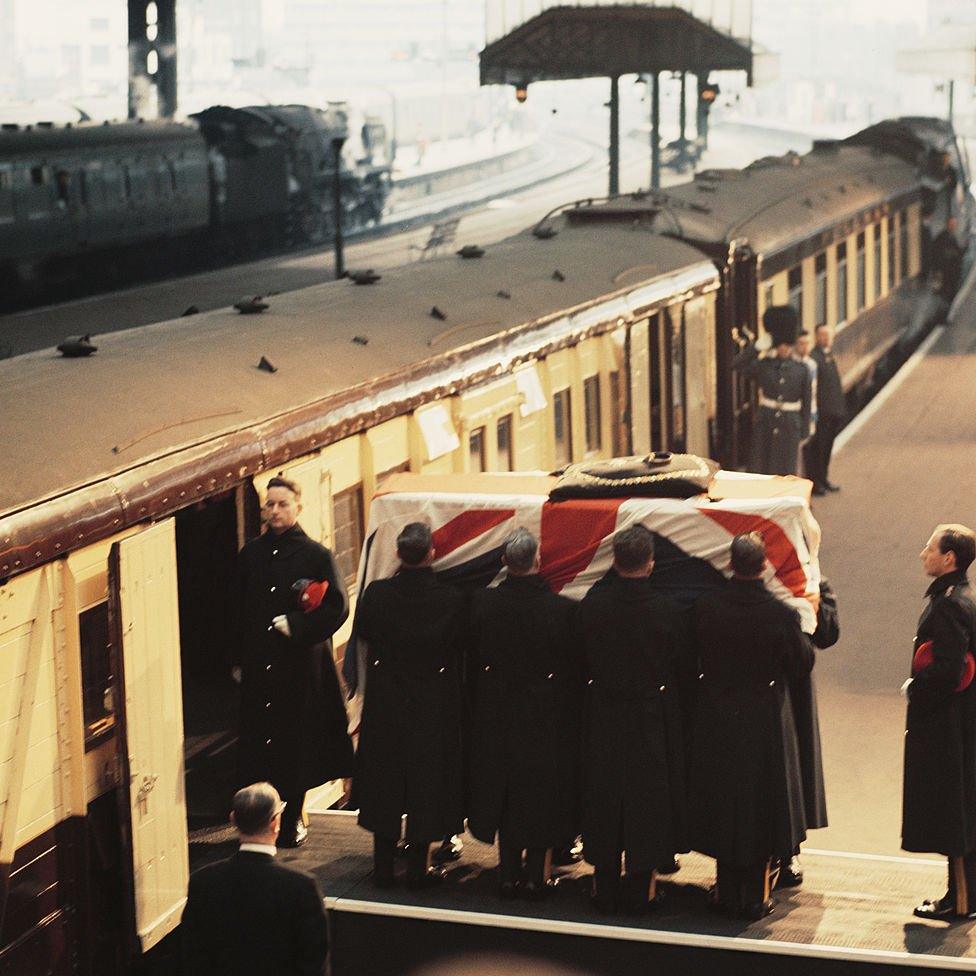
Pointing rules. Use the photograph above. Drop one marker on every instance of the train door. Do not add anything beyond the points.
(144, 617)
(660, 380)
(675, 367)
(639, 380)
(699, 339)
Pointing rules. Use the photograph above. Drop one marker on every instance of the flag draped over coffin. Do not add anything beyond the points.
(472, 517)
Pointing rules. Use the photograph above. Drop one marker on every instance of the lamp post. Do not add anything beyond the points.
(340, 262)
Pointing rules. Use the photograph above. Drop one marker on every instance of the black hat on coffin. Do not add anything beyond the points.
(781, 322)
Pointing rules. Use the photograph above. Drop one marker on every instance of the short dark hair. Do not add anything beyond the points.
(255, 807)
(802, 333)
(959, 540)
(414, 543)
(633, 548)
(748, 554)
(520, 551)
(280, 481)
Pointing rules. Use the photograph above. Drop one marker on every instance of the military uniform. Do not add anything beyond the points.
(939, 802)
(783, 410)
(746, 796)
(633, 755)
(526, 687)
(831, 411)
(409, 757)
(293, 721)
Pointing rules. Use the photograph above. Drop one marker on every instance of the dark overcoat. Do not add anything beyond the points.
(526, 687)
(803, 694)
(251, 914)
(782, 417)
(831, 402)
(746, 787)
(633, 756)
(939, 801)
(409, 756)
(293, 720)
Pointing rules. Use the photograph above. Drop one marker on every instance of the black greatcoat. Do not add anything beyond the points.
(251, 914)
(746, 788)
(633, 757)
(939, 803)
(525, 679)
(409, 757)
(293, 721)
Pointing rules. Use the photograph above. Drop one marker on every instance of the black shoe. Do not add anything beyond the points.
(756, 911)
(831, 487)
(633, 906)
(819, 490)
(943, 910)
(450, 850)
(673, 868)
(790, 874)
(568, 854)
(431, 879)
(293, 836)
(508, 891)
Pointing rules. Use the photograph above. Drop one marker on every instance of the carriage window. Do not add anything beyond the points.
(862, 274)
(842, 283)
(768, 299)
(503, 434)
(347, 536)
(38, 175)
(97, 677)
(617, 430)
(562, 425)
(892, 262)
(820, 293)
(903, 226)
(63, 180)
(591, 401)
(796, 290)
(476, 449)
(877, 262)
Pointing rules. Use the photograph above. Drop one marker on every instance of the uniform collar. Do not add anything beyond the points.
(268, 849)
(942, 583)
(422, 574)
(286, 540)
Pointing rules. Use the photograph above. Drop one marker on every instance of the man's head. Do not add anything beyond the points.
(256, 813)
(633, 551)
(782, 324)
(950, 548)
(803, 345)
(825, 336)
(282, 504)
(415, 545)
(748, 553)
(522, 554)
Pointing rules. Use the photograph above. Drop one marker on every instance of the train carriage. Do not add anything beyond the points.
(121, 513)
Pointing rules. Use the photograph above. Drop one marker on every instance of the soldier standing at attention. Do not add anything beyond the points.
(525, 737)
(939, 804)
(409, 758)
(831, 411)
(633, 758)
(782, 418)
(293, 721)
(746, 797)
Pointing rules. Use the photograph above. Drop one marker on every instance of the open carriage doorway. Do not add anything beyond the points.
(206, 548)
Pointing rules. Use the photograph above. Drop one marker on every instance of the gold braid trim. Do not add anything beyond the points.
(699, 470)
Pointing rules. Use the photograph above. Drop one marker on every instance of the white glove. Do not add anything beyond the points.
(280, 624)
(235, 674)
(906, 686)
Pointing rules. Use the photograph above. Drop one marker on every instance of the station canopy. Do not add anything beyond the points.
(545, 40)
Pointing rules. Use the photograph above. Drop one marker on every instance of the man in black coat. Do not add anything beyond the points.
(782, 413)
(250, 914)
(526, 685)
(293, 720)
(746, 797)
(939, 801)
(633, 758)
(831, 412)
(409, 757)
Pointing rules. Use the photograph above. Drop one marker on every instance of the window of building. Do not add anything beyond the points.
(591, 402)
(892, 262)
(347, 537)
(796, 290)
(617, 408)
(97, 677)
(820, 289)
(877, 262)
(903, 227)
(862, 274)
(476, 449)
(563, 426)
(503, 439)
(842, 283)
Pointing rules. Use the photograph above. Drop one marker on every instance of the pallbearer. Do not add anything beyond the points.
(525, 679)
(746, 798)
(939, 812)
(633, 759)
(409, 759)
(784, 403)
